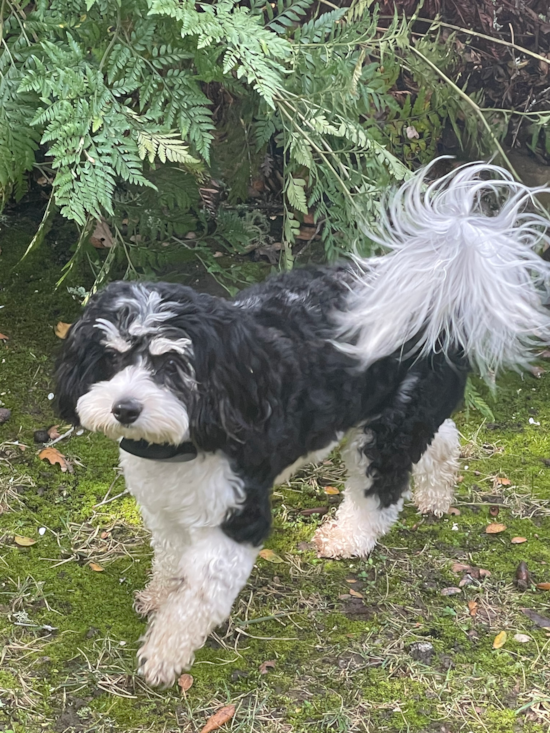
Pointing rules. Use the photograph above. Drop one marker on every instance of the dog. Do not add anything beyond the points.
(214, 401)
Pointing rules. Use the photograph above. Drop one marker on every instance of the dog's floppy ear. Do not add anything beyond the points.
(239, 382)
(82, 362)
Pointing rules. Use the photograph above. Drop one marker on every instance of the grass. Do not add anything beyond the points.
(342, 636)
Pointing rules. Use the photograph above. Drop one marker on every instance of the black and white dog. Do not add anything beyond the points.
(215, 401)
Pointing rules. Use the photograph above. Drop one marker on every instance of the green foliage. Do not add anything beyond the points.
(474, 401)
(131, 108)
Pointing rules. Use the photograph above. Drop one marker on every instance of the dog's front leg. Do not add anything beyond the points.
(212, 570)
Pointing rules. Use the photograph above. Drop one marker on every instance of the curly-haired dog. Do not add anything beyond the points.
(214, 401)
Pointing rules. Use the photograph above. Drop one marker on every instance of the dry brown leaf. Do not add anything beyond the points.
(53, 432)
(222, 716)
(54, 456)
(266, 666)
(104, 535)
(62, 329)
(536, 618)
(321, 510)
(270, 556)
(101, 236)
(23, 541)
(543, 586)
(452, 591)
(331, 490)
(502, 481)
(500, 640)
(185, 682)
(523, 576)
(522, 638)
(459, 567)
(355, 593)
(518, 540)
(494, 511)
(95, 567)
(472, 607)
(4, 338)
(495, 528)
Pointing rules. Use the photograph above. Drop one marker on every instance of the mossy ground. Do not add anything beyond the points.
(68, 634)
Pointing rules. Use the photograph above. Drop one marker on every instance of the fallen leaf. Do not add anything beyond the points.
(495, 528)
(522, 638)
(355, 593)
(53, 432)
(466, 580)
(523, 576)
(502, 481)
(459, 567)
(54, 456)
(536, 618)
(518, 540)
(316, 510)
(4, 338)
(344, 596)
(351, 580)
(500, 640)
(454, 511)
(452, 591)
(472, 607)
(23, 541)
(270, 556)
(95, 567)
(537, 371)
(543, 586)
(331, 490)
(101, 236)
(185, 682)
(266, 666)
(484, 573)
(104, 535)
(494, 511)
(223, 716)
(62, 329)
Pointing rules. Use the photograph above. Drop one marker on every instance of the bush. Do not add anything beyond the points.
(113, 104)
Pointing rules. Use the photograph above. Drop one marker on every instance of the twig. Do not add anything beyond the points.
(61, 437)
(101, 503)
(501, 41)
(474, 106)
(104, 500)
(265, 618)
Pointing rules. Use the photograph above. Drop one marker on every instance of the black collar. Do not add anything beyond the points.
(159, 451)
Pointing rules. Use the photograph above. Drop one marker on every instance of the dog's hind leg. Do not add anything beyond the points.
(212, 570)
(435, 473)
(364, 515)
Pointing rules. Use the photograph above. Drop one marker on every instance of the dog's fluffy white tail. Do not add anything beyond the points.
(456, 274)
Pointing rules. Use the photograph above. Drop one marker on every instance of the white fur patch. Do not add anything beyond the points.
(211, 571)
(163, 419)
(197, 570)
(113, 339)
(147, 309)
(161, 345)
(454, 275)
(359, 521)
(435, 473)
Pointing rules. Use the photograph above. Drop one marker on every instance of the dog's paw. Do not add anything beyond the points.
(333, 541)
(161, 664)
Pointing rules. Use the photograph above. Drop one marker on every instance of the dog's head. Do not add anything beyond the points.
(156, 361)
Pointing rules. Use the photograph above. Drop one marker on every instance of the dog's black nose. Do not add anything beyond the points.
(127, 411)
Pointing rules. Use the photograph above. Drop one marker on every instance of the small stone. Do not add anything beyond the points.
(41, 436)
(522, 638)
(5, 415)
(422, 651)
(51, 396)
(42, 531)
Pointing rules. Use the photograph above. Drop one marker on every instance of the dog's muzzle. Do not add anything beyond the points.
(127, 411)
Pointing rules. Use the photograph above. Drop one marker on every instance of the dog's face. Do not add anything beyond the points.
(163, 363)
(127, 368)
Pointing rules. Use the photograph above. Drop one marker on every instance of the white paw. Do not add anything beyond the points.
(332, 541)
(163, 657)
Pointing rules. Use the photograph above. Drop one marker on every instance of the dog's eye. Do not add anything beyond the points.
(171, 366)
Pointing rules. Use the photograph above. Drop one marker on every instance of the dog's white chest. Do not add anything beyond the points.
(183, 496)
